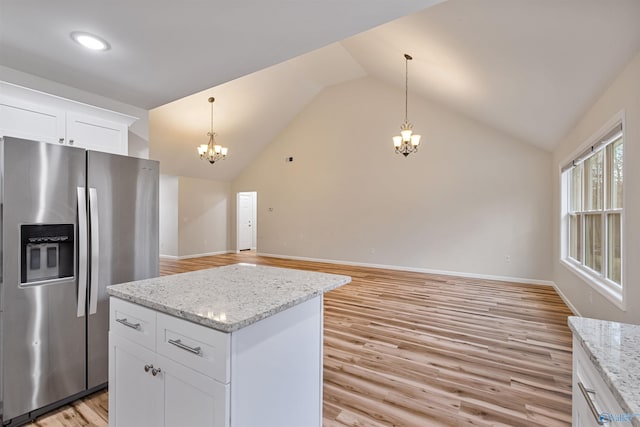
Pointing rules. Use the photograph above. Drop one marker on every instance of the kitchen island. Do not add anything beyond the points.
(239, 345)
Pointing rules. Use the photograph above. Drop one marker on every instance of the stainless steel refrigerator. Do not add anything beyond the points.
(72, 222)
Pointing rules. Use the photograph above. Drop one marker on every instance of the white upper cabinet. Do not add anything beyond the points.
(30, 121)
(97, 134)
(29, 114)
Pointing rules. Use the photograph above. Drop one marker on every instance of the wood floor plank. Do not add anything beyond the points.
(414, 349)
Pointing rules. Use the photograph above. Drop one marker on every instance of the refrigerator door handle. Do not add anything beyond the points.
(82, 251)
(95, 251)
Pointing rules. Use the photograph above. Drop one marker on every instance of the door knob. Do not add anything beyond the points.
(147, 367)
(155, 371)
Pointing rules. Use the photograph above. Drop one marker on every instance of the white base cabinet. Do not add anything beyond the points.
(593, 403)
(166, 371)
(29, 114)
(192, 399)
(138, 404)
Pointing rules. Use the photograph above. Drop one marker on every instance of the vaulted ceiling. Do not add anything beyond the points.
(163, 50)
(527, 68)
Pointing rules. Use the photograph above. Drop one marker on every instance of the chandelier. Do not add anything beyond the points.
(407, 142)
(212, 151)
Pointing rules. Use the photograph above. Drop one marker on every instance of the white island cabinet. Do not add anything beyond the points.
(238, 346)
(606, 373)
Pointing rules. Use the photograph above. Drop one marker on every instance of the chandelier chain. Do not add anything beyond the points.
(406, 88)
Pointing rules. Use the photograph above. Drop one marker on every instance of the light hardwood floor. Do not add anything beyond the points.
(413, 349)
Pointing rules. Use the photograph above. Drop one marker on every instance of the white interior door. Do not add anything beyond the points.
(245, 221)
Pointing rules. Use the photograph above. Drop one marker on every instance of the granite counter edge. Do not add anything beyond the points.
(217, 325)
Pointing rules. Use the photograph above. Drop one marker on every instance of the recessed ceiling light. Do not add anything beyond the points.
(89, 41)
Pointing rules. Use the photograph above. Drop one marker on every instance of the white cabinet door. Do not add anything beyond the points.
(191, 398)
(582, 416)
(135, 394)
(97, 134)
(593, 403)
(30, 121)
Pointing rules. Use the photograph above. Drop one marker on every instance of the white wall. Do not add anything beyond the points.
(471, 197)
(168, 200)
(203, 216)
(194, 216)
(623, 93)
(138, 131)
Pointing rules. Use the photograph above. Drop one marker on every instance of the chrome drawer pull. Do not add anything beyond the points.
(586, 392)
(130, 325)
(178, 343)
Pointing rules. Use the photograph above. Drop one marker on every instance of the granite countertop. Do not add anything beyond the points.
(228, 298)
(614, 349)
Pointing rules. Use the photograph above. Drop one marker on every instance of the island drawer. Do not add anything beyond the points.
(133, 322)
(200, 348)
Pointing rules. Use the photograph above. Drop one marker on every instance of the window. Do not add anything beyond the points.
(592, 212)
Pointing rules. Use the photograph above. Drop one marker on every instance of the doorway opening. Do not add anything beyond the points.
(247, 215)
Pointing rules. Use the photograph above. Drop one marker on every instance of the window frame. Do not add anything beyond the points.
(614, 292)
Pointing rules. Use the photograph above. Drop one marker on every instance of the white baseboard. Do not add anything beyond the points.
(196, 255)
(573, 309)
(418, 270)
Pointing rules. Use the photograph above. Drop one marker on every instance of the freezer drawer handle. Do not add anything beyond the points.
(587, 392)
(128, 324)
(178, 343)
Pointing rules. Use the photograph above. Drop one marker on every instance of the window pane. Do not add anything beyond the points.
(576, 189)
(614, 247)
(575, 237)
(614, 164)
(593, 241)
(593, 178)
